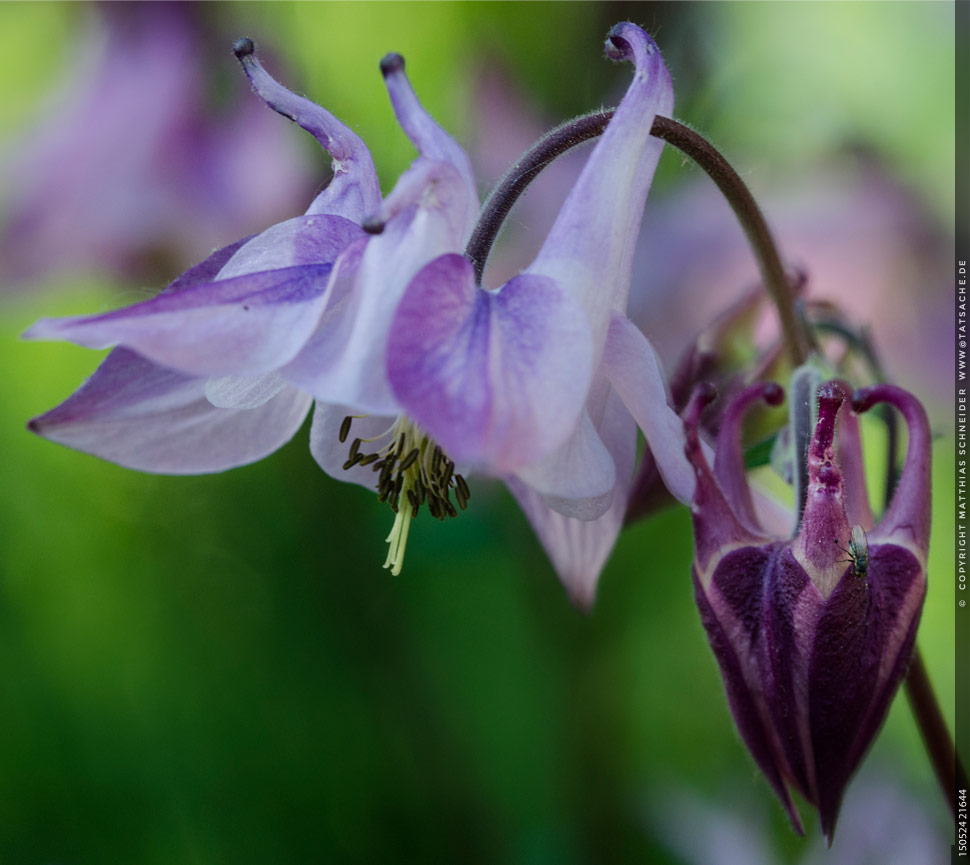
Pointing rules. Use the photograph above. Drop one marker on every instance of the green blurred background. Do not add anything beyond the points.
(216, 669)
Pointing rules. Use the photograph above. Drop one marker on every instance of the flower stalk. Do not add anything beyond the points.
(568, 135)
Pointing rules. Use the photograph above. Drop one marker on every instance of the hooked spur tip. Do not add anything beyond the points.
(617, 47)
(391, 63)
(773, 393)
(373, 225)
(701, 397)
(864, 399)
(243, 48)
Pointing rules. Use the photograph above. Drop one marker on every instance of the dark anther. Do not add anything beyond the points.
(391, 63)
(243, 48)
(463, 487)
(353, 449)
(345, 428)
(409, 460)
(356, 458)
(373, 225)
(367, 460)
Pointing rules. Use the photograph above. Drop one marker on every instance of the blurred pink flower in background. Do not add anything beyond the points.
(861, 239)
(130, 168)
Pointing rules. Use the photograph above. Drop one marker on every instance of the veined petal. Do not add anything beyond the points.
(497, 379)
(578, 479)
(145, 417)
(244, 325)
(432, 142)
(589, 249)
(354, 191)
(633, 369)
(243, 391)
(578, 549)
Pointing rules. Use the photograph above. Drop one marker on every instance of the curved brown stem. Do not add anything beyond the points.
(568, 135)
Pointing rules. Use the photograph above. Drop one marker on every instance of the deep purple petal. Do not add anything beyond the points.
(497, 379)
(142, 416)
(729, 468)
(716, 527)
(244, 325)
(589, 249)
(907, 520)
(825, 528)
(732, 630)
(863, 644)
(849, 451)
(354, 191)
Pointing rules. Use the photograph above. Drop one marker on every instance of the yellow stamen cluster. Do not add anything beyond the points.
(414, 471)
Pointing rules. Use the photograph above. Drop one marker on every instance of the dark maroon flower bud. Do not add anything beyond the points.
(814, 633)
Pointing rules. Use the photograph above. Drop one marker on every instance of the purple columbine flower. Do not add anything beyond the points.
(813, 633)
(536, 381)
(222, 366)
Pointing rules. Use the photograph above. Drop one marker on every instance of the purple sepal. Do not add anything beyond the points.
(737, 663)
(863, 645)
(145, 417)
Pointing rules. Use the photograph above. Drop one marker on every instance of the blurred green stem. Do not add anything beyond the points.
(929, 718)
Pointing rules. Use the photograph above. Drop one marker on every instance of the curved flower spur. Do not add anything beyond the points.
(535, 382)
(811, 644)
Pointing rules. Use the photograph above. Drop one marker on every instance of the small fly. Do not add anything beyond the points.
(858, 551)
